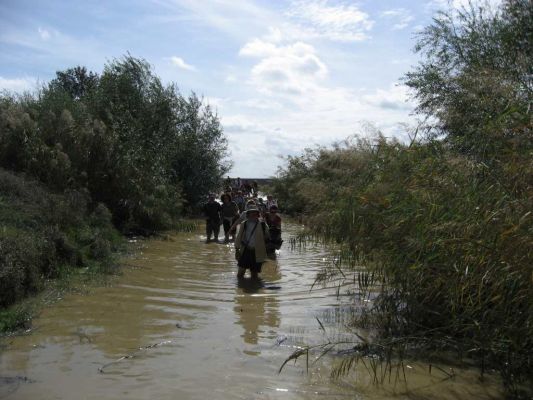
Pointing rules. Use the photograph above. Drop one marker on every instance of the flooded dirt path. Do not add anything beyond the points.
(178, 325)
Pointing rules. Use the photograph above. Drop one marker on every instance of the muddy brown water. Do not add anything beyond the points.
(178, 325)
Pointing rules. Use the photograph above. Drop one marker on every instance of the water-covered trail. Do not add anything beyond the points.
(178, 325)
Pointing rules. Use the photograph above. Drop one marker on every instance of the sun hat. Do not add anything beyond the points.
(249, 204)
(252, 209)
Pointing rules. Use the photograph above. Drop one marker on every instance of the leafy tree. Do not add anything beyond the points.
(134, 144)
(477, 77)
(200, 160)
(288, 178)
(76, 81)
(137, 123)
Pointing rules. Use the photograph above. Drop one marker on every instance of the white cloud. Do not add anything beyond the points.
(17, 84)
(231, 78)
(460, 4)
(44, 34)
(401, 61)
(310, 110)
(258, 48)
(320, 115)
(64, 49)
(180, 63)
(396, 97)
(401, 16)
(236, 18)
(274, 35)
(288, 69)
(259, 104)
(343, 22)
(239, 123)
(214, 102)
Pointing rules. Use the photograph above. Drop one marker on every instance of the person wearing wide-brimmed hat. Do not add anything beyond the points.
(242, 217)
(250, 244)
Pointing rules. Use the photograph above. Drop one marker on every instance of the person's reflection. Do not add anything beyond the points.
(257, 306)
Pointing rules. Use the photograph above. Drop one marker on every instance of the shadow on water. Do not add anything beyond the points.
(250, 285)
(257, 311)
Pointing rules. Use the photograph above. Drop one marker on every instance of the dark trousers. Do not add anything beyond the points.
(247, 260)
(275, 237)
(212, 227)
(227, 224)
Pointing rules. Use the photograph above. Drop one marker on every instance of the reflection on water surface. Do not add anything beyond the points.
(180, 325)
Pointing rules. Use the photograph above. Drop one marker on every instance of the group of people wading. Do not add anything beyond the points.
(253, 224)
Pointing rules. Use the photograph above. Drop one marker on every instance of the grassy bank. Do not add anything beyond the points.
(47, 236)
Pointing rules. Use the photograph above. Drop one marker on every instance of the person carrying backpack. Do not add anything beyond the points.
(250, 244)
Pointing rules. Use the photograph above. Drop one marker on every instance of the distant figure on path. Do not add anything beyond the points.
(250, 244)
(230, 213)
(239, 199)
(213, 214)
(246, 187)
(262, 207)
(270, 202)
(273, 220)
(227, 184)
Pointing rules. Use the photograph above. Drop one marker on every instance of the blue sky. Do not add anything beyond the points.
(283, 75)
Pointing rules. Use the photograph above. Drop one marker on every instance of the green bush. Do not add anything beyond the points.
(450, 245)
(443, 225)
(122, 139)
(42, 232)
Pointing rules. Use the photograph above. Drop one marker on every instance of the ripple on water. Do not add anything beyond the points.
(223, 338)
